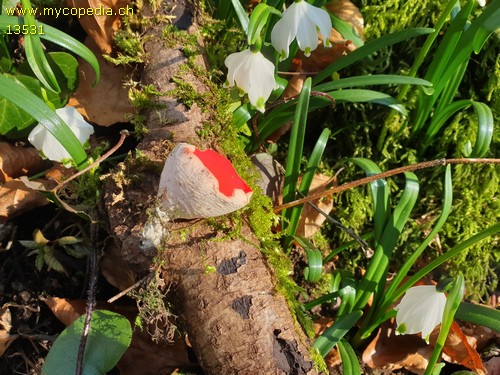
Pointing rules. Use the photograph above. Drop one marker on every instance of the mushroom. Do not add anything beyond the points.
(200, 184)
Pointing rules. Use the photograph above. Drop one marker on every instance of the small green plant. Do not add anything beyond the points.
(45, 250)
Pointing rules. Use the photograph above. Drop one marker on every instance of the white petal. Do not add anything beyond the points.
(262, 81)
(321, 19)
(233, 63)
(307, 36)
(285, 30)
(45, 142)
(421, 310)
(253, 74)
(81, 128)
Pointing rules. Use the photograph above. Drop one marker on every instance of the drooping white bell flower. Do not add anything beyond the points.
(420, 310)
(482, 3)
(200, 184)
(49, 146)
(301, 20)
(252, 73)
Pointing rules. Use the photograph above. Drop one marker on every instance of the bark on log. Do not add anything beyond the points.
(236, 321)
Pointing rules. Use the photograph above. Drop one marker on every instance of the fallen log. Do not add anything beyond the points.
(219, 282)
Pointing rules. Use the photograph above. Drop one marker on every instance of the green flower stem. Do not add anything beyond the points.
(451, 307)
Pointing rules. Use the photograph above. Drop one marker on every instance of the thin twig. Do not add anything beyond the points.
(111, 151)
(378, 176)
(94, 260)
(124, 292)
(364, 245)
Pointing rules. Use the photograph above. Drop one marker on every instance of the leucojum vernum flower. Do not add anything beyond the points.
(49, 146)
(301, 21)
(420, 310)
(253, 73)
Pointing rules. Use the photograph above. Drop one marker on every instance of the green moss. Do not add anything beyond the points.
(319, 362)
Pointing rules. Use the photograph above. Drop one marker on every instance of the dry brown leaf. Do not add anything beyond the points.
(482, 336)
(311, 220)
(100, 28)
(58, 173)
(390, 351)
(115, 270)
(16, 198)
(458, 349)
(66, 310)
(18, 161)
(143, 357)
(5, 326)
(348, 12)
(107, 103)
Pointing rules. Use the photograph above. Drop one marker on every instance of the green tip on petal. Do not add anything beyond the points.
(226, 84)
(401, 329)
(260, 104)
(307, 52)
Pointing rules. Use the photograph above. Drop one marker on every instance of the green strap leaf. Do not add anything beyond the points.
(307, 179)
(485, 128)
(481, 315)
(375, 277)
(35, 53)
(332, 335)
(380, 195)
(376, 79)
(314, 269)
(350, 363)
(258, 20)
(295, 147)
(452, 303)
(368, 49)
(241, 14)
(58, 37)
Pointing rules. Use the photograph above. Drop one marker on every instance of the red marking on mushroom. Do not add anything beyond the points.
(222, 169)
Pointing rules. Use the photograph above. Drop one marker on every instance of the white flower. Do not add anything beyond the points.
(482, 2)
(301, 20)
(420, 310)
(253, 74)
(50, 146)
